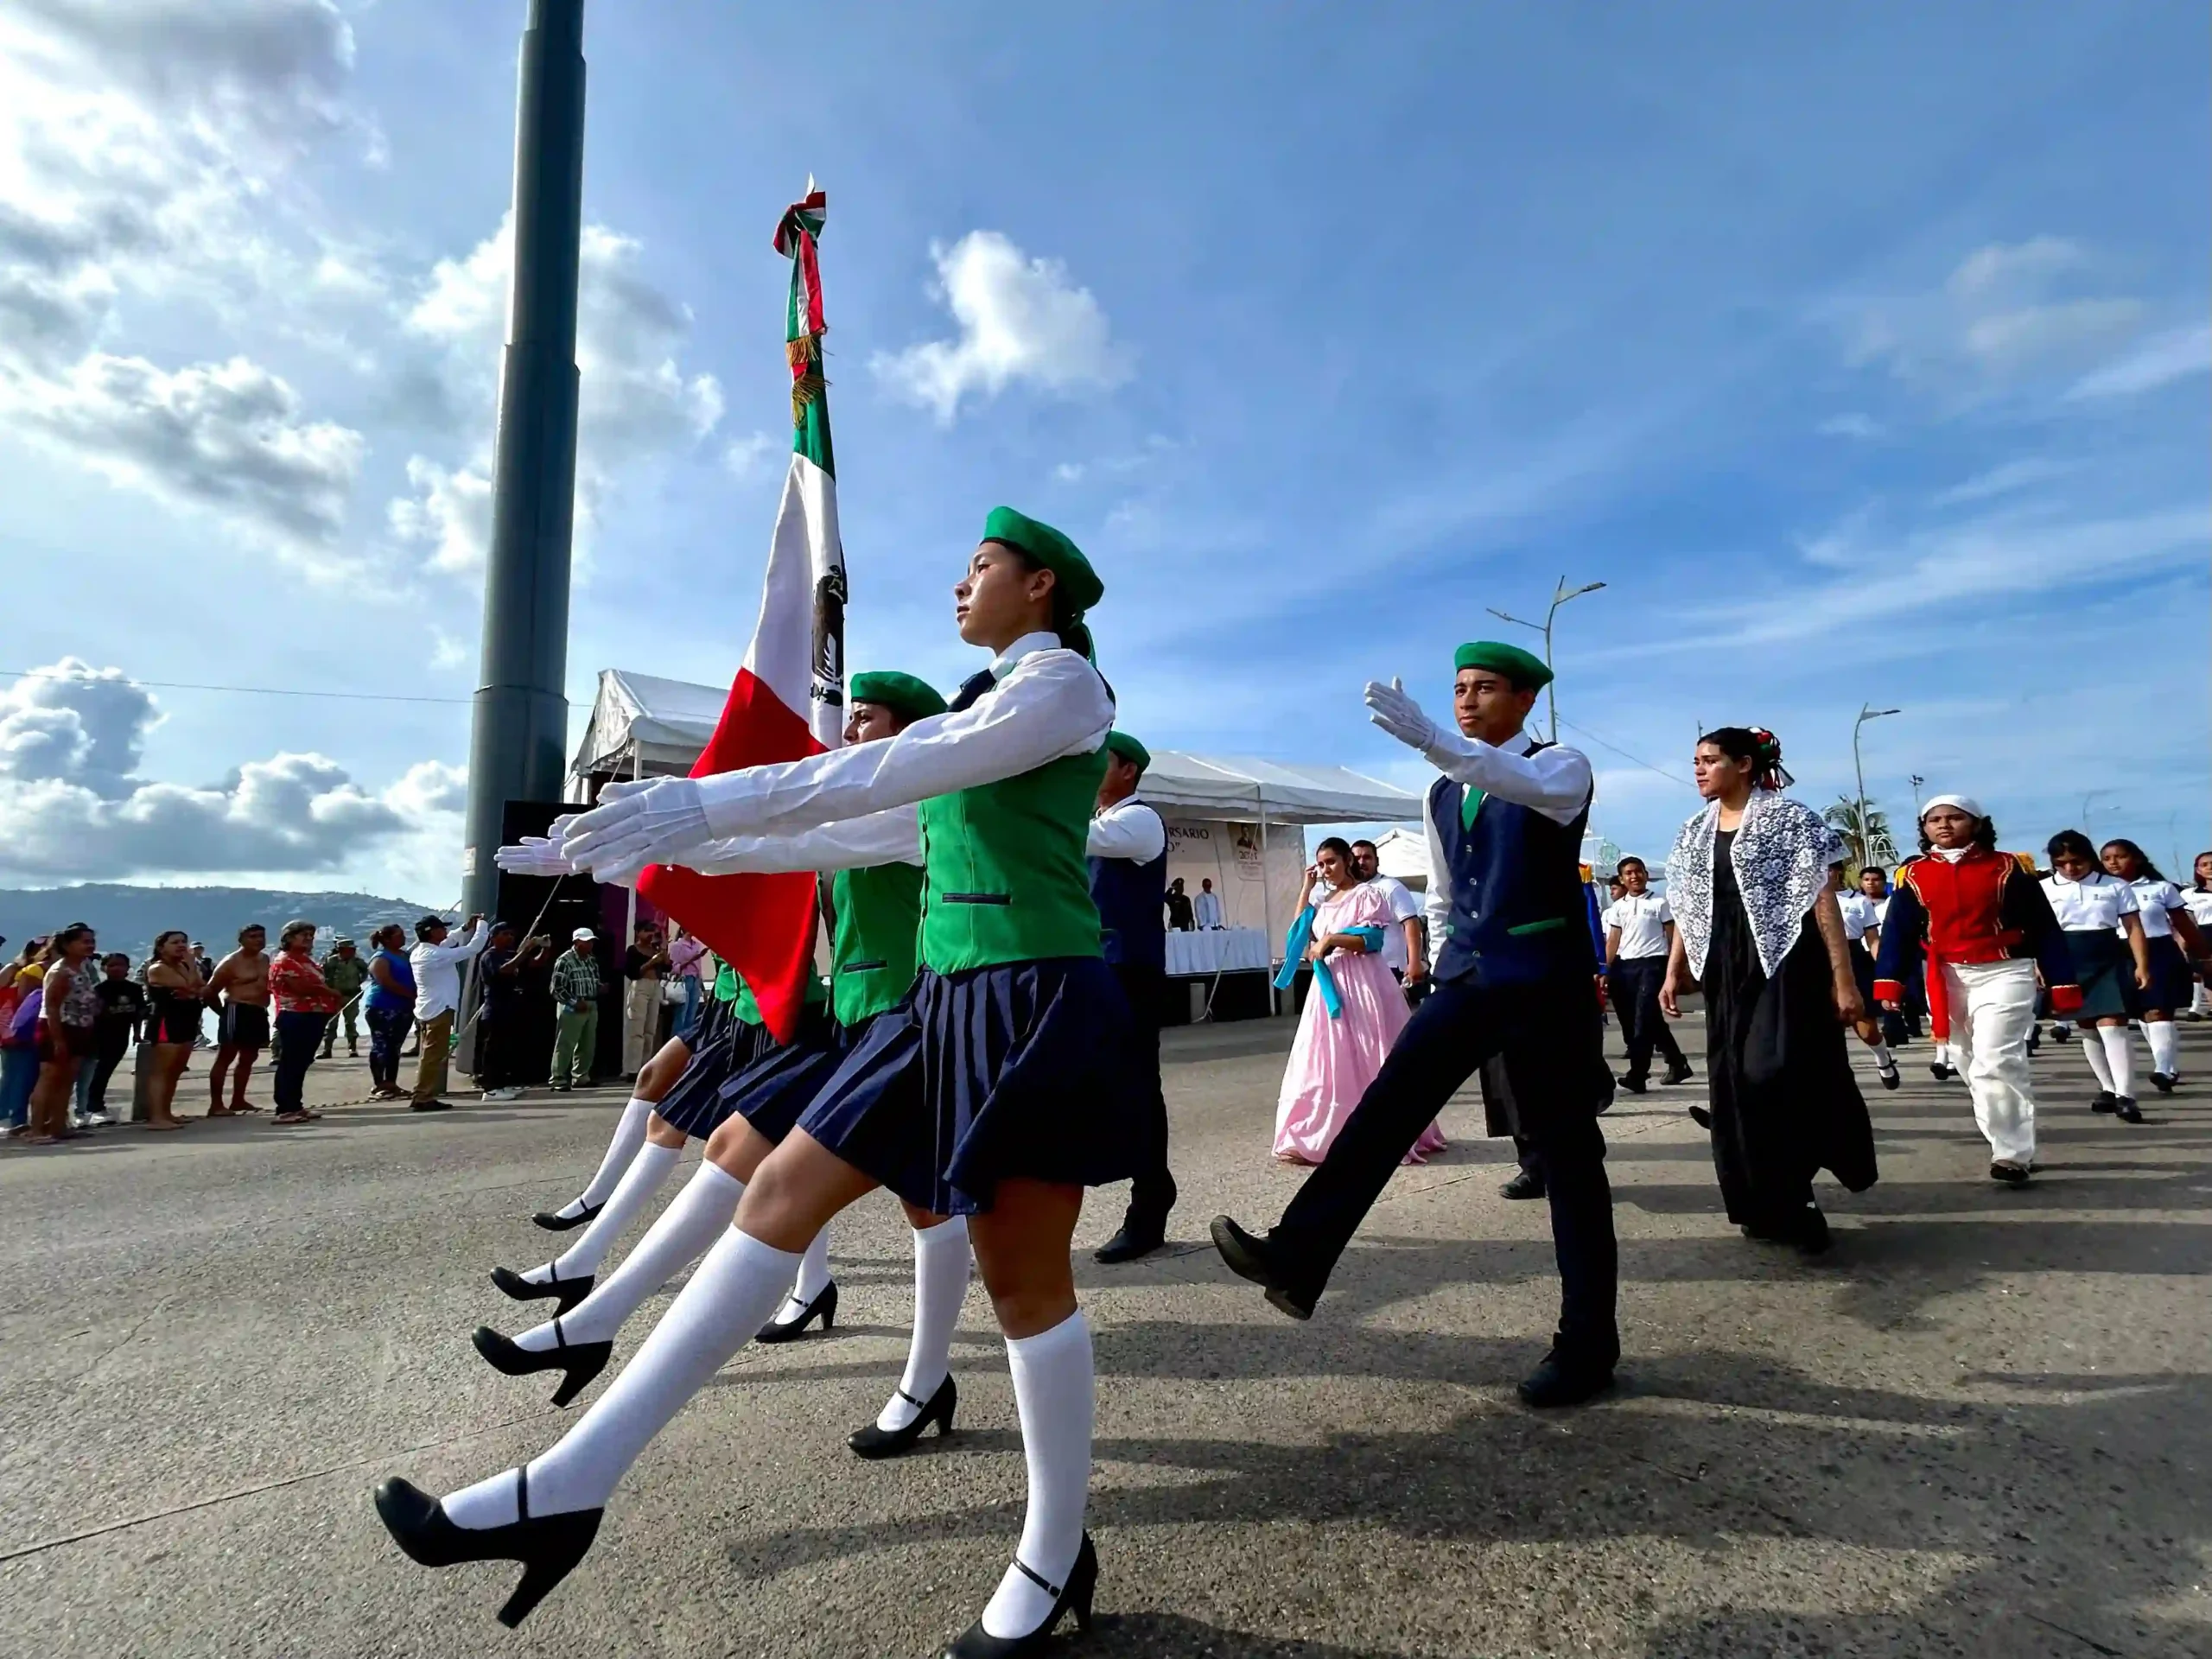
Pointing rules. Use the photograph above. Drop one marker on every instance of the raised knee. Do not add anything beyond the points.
(662, 1133)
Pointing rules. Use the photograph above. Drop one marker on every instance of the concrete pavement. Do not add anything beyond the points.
(1982, 1425)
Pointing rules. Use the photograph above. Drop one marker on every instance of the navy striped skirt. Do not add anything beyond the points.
(1027, 1070)
(693, 1105)
(783, 1081)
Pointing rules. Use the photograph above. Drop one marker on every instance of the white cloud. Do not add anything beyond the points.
(2175, 355)
(229, 437)
(447, 650)
(1069, 471)
(1851, 426)
(1020, 319)
(71, 805)
(449, 513)
(2002, 268)
(2014, 476)
(2034, 332)
(748, 455)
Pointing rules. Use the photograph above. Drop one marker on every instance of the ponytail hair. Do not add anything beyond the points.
(1067, 621)
(1757, 744)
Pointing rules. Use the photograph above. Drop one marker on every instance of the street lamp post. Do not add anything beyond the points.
(1867, 712)
(1559, 597)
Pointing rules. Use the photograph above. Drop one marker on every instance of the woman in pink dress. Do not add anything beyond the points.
(1334, 1060)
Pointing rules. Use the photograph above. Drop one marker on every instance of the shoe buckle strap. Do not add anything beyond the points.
(924, 1405)
(1037, 1578)
(522, 1492)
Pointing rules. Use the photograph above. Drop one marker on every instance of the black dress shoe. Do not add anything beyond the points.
(1525, 1184)
(430, 1106)
(1942, 1072)
(1890, 1078)
(1074, 1597)
(875, 1443)
(2164, 1082)
(570, 1290)
(2008, 1174)
(2126, 1110)
(549, 1547)
(1565, 1379)
(1135, 1240)
(823, 1307)
(553, 1222)
(1701, 1117)
(1678, 1073)
(1808, 1231)
(2104, 1102)
(1253, 1258)
(1635, 1085)
(582, 1360)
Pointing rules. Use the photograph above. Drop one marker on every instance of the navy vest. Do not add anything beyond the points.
(1519, 910)
(1132, 900)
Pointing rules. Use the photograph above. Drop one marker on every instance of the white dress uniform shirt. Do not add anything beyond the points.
(2156, 900)
(437, 970)
(1205, 909)
(1129, 830)
(1642, 919)
(2199, 905)
(1404, 906)
(2096, 901)
(1049, 703)
(1553, 780)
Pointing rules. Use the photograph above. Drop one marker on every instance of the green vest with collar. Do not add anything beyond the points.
(745, 1009)
(875, 946)
(1007, 878)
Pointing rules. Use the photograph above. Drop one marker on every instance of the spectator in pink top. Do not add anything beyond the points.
(303, 1002)
(686, 957)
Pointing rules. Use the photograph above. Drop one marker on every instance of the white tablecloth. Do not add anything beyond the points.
(1218, 950)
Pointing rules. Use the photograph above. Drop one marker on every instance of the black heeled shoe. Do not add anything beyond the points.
(570, 1290)
(553, 1222)
(823, 1307)
(581, 1361)
(874, 1443)
(1074, 1597)
(549, 1547)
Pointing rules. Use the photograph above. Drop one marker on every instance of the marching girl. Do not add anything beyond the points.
(2104, 935)
(1988, 929)
(874, 904)
(999, 1089)
(2167, 926)
(2198, 897)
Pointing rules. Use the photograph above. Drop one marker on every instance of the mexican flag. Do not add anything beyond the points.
(788, 700)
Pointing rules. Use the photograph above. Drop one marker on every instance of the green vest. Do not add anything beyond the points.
(747, 1009)
(877, 939)
(1007, 876)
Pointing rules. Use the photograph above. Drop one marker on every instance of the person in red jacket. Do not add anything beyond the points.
(1988, 930)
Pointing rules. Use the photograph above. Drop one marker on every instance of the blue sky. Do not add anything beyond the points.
(1864, 355)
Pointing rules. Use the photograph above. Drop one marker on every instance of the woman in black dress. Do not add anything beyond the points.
(1757, 929)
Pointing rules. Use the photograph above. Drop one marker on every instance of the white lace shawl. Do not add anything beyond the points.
(1781, 856)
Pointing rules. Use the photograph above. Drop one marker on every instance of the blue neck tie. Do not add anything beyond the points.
(972, 689)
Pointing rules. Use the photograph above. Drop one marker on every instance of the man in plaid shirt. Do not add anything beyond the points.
(575, 988)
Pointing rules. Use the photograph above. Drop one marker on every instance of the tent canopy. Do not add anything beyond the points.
(663, 724)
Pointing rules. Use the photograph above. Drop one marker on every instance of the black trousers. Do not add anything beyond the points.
(1152, 1194)
(1634, 984)
(500, 1060)
(1548, 1034)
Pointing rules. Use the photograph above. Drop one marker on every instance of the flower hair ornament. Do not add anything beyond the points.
(1768, 761)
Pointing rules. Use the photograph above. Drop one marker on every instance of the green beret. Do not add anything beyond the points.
(901, 693)
(1129, 748)
(1525, 670)
(1050, 549)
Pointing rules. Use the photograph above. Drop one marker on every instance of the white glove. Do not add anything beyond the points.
(1389, 707)
(638, 824)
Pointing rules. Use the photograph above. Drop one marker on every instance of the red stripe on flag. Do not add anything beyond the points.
(762, 925)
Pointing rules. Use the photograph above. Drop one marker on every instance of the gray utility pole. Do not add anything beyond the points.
(518, 747)
(1867, 712)
(1559, 596)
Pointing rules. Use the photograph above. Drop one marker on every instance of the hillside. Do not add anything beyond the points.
(128, 918)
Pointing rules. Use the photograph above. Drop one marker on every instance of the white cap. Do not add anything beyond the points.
(1966, 803)
(583, 933)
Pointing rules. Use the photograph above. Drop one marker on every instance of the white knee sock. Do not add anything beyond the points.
(685, 1229)
(2119, 1055)
(629, 1135)
(2094, 1052)
(2165, 1046)
(1053, 1391)
(734, 1290)
(632, 1193)
(2200, 999)
(1884, 1060)
(941, 1258)
(813, 1269)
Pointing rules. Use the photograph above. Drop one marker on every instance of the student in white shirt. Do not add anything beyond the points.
(2197, 896)
(2167, 927)
(2104, 928)
(1861, 919)
(1639, 932)
(1404, 951)
(1873, 897)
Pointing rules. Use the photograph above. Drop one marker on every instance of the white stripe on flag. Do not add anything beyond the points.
(798, 644)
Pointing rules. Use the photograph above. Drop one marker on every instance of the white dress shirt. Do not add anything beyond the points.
(2199, 905)
(2096, 902)
(1553, 780)
(437, 970)
(1404, 906)
(1129, 830)
(1205, 909)
(1643, 918)
(1049, 703)
(1858, 913)
(2156, 900)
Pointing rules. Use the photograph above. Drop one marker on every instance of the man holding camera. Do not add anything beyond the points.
(499, 1065)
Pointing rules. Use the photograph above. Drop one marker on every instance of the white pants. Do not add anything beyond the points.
(640, 1022)
(1992, 1008)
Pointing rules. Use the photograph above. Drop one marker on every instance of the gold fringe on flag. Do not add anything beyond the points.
(807, 384)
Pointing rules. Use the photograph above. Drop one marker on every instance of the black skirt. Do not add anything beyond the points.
(2170, 982)
(694, 1105)
(1785, 1104)
(1023, 1070)
(2104, 968)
